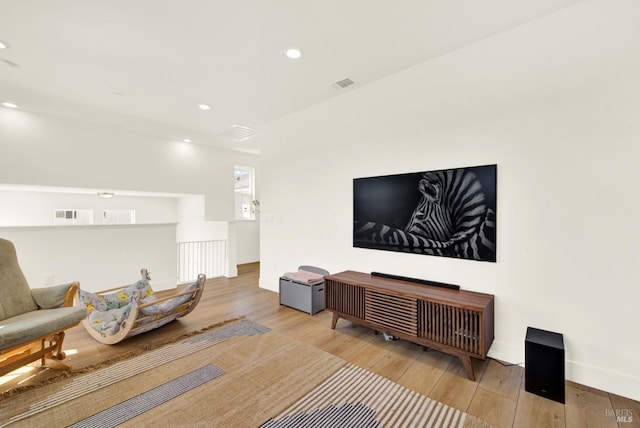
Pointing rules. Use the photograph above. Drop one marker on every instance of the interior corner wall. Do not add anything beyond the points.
(43, 150)
(554, 103)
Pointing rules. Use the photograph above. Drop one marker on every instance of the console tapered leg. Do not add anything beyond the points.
(468, 366)
(334, 321)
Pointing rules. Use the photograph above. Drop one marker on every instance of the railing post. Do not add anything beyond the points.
(231, 268)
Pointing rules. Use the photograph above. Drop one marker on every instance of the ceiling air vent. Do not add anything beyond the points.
(344, 83)
(239, 133)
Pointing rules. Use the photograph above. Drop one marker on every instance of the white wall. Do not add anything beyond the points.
(31, 208)
(555, 104)
(41, 150)
(247, 235)
(57, 151)
(99, 257)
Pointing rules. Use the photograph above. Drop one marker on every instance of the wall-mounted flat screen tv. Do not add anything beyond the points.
(448, 212)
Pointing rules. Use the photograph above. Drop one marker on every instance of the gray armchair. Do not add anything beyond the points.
(32, 321)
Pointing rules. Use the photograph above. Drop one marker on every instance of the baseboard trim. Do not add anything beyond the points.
(270, 285)
(595, 377)
(603, 379)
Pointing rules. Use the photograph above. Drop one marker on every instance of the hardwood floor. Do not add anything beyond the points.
(497, 396)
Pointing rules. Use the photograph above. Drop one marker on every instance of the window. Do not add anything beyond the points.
(71, 216)
(246, 205)
(119, 216)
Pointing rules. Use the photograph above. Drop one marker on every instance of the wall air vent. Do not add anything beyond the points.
(239, 133)
(344, 83)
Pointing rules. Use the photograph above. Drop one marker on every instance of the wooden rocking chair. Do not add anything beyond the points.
(32, 321)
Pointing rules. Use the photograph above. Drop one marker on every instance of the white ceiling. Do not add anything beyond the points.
(148, 63)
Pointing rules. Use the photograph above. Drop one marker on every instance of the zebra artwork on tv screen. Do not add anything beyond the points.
(449, 212)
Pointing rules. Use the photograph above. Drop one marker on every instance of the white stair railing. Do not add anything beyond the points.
(208, 257)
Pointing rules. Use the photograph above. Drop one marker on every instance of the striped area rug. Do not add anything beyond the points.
(138, 405)
(123, 370)
(355, 397)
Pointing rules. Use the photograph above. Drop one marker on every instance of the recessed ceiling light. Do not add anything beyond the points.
(204, 106)
(106, 195)
(187, 140)
(4, 45)
(10, 105)
(293, 53)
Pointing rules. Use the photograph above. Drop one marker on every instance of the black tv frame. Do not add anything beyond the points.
(383, 207)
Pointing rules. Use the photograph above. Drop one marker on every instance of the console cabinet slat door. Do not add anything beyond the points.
(397, 313)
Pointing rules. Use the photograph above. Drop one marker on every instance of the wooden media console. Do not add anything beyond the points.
(456, 322)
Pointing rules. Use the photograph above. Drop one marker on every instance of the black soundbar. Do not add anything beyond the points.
(417, 280)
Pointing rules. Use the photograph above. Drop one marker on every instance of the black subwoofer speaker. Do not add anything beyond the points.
(544, 364)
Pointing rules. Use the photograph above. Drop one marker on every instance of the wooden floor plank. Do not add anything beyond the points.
(589, 408)
(497, 396)
(493, 408)
(534, 411)
(371, 352)
(503, 380)
(628, 411)
(397, 361)
(426, 371)
(454, 387)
